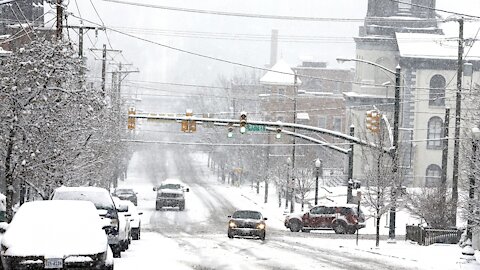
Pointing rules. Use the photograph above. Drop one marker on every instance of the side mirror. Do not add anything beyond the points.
(154, 188)
(140, 213)
(122, 208)
(3, 227)
(187, 189)
(265, 218)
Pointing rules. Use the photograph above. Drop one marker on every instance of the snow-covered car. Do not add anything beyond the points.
(106, 208)
(341, 218)
(126, 194)
(135, 221)
(246, 223)
(125, 231)
(54, 234)
(171, 193)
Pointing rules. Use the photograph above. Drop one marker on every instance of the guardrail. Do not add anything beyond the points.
(427, 235)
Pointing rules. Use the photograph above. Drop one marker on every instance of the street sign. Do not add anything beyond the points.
(255, 128)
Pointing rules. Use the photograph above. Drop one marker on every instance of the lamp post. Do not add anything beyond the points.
(396, 123)
(289, 161)
(318, 165)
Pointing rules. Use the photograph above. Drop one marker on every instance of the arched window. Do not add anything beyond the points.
(435, 133)
(433, 176)
(437, 91)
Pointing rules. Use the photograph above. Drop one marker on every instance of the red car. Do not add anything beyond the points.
(341, 218)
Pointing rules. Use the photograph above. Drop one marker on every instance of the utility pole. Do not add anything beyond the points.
(396, 127)
(59, 19)
(104, 65)
(445, 156)
(81, 31)
(458, 112)
(350, 167)
(292, 202)
(267, 171)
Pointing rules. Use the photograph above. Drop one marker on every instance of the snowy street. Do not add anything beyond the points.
(196, 238)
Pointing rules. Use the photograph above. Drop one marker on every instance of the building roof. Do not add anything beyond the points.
(431, 46)
(280, 74)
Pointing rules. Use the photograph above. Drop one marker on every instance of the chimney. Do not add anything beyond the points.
(273, 47)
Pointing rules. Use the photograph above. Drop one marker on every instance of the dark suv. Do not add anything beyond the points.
(102, 200)
(127, 194)
(341, 218)
(170, 194)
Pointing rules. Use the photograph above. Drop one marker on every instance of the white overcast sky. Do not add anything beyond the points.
(159, 64)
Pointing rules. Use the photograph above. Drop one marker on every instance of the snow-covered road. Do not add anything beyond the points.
(196, 238)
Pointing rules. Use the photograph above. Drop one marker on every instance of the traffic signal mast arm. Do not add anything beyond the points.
(265, 123)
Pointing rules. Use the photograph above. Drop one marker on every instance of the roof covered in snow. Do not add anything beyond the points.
(432, 46)
(280, 74)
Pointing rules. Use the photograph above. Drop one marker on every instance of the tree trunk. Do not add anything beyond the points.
(265, 200)
(377, 235)
(9, 176)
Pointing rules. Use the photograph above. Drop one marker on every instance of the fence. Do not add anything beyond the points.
(427, 236)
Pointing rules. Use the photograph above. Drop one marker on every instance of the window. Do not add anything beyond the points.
(337, 123)
(322, 122)
(437, 91)
(281, 91)
(435, 133)
(433, 176)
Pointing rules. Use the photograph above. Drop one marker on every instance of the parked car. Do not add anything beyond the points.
(341, 218)
(135, 221)
(106, 208)
(171, 193)
(53, 234)
(125, 231)
(247, 223)
(126, 194)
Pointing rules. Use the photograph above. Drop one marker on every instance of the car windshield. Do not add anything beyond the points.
(100, 199)
(124, 191)
(247, 215)
(171, 186)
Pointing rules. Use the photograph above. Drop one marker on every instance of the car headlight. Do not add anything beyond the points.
(260, 226)
(232, 224)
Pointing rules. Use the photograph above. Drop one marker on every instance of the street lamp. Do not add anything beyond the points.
(396, 123)
(318, 165)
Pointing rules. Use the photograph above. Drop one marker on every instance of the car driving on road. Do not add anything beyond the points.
(341, 218)
(56, 235)
(246, 223)
(170, 193)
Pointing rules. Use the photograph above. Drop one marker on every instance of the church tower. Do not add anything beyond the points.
(385, 17)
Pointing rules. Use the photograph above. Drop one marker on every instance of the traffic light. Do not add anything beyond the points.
(189, 125)
(131, 119)
(373, 121)
(279, 133)
(230, 130)
(243, 122)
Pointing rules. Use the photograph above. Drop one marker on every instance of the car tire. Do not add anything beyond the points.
(117, 252)
(136, 234)
(295, 225)
(230, 234)
(340, 227)
(262, 236)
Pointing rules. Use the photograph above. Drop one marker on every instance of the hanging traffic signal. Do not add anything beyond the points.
(243, 122)
(279, 133)
(131, 118)
(189, 125)
(230, 130)
(372, 121)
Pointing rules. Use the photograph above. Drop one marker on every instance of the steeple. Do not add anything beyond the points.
(385, 17)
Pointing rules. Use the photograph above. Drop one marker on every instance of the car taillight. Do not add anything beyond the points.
(114, 222)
